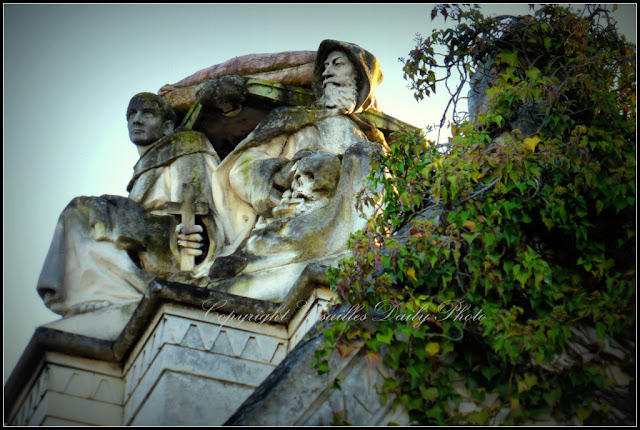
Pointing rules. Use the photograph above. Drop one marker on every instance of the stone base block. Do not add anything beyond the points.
(187, 356)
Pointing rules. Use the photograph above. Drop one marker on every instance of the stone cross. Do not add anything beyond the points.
(187, 208)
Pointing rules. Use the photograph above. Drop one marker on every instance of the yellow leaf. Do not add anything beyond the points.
(615, 8)
(531, 142)
(522, 387)
(515, 404)
(531, 380)
(411, 272)
(470, 225)
(432, 348)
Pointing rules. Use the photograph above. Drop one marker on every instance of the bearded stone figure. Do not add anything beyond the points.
(258, 176)
(283, 198)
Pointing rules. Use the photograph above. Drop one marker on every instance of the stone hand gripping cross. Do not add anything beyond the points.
(187, 230)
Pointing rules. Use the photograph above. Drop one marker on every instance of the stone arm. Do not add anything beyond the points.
(158, 188)
(204, 239)
(259, 179)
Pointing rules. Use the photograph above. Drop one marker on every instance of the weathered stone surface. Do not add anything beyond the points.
(528, 116)
(106, 324)
(204, 351)
(289, 68)
(477, 97)
(106, 250)
(71, 389)
(256, 178)
(262, 223)
(137, 351)
(168, 404)
(280, 247)
(294, 394)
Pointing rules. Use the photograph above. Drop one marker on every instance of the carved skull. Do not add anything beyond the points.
(316, 176)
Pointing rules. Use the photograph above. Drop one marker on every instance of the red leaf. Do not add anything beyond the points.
(345, 350)
(373, 357)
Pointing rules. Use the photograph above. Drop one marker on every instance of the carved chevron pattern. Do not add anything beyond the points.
(204, 336)
(72, 382)
(33, 399)
(358, 400)
(88, 385)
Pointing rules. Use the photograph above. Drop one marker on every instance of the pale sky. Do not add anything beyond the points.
(70, 70)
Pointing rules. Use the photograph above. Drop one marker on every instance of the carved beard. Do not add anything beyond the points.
(340, 95)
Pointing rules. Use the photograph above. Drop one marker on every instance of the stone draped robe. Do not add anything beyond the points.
(105, 250)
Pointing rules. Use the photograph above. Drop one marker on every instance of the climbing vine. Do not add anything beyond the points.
(488, 258)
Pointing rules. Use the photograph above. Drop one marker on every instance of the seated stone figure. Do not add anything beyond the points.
(106, 250)
(252, 179)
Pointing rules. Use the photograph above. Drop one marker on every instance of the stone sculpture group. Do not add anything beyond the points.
(283, 197)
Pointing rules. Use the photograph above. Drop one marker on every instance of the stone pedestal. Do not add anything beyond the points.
(187, 356)
(295, 395)
(70, 390)
(186, 350)
(193, 356)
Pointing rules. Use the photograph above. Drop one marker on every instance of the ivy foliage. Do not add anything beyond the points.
(486, 256)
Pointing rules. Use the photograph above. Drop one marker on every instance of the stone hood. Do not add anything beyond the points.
(367, 65)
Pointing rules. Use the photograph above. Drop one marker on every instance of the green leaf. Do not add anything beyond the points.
(411, 272)
(490, 372)
(329, 334)
(511, 57)
(533, 73)
(583, 412)
(389, 384)
(385, 338)
(601, 330)
(323, 368)
(430, 393)
(479, 417)
(531, 380)
(373, 344)
(432, 348)
(553, 396)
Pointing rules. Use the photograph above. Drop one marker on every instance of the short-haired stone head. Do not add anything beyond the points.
(149, 118)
